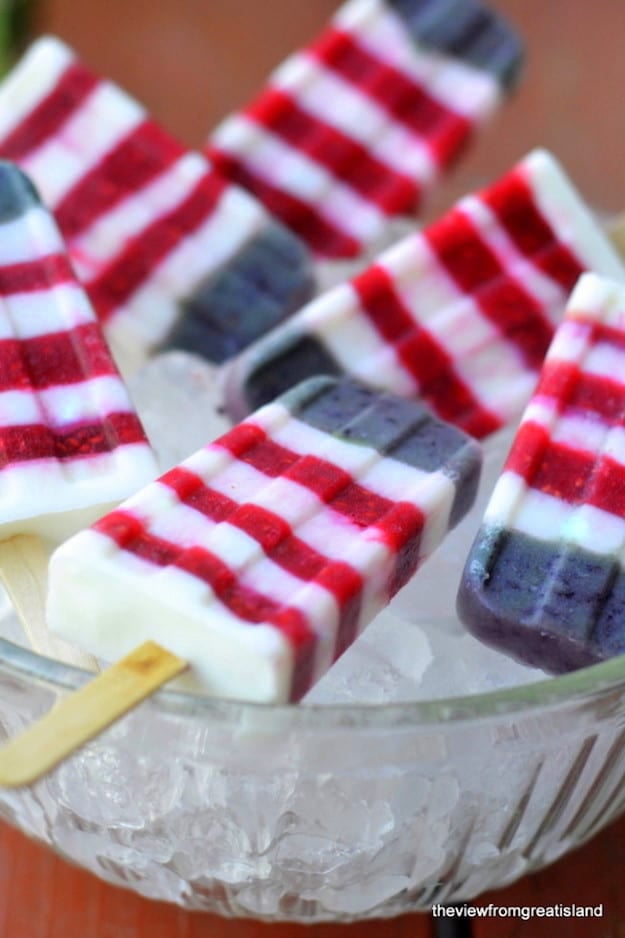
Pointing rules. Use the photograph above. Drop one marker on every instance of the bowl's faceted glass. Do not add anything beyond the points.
(315, 813)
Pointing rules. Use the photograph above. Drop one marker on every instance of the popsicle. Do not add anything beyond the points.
(356, 127)
(544, 580)
(459, 314)
(261, 557)
(71, 445)
(170, 254)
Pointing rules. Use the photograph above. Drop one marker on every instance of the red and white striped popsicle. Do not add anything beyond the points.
(544, 580)
(169, 252)
(71, 445)
(354, 128)
(459, 314)
(260, 558)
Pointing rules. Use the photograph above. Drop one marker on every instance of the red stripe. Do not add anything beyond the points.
(302, 218)
(249, 605)
(143, 252)
(512, 201)
(39, 274)
(396, 524)
(574, 389)
(135, 161)
(572, 475)
(553, 468)
(347, 160)
(45, 120)
(526, 453)
(35, 441)
(476, 270)
(443, 131)
(54, 359)
(602, 332)
(429, 364)
(280, 544)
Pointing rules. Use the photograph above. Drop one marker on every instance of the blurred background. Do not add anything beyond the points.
(192, 61)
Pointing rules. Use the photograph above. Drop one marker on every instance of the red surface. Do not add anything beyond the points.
(41, 896)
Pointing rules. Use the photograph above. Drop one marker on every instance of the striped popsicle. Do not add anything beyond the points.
(260, 558)
(353, 129)
(459, 314)
(169, 252)
(544, 580)
(71, 445)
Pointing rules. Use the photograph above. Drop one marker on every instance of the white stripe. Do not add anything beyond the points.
(324, 95)
(560, 202)
(419, 279)
(38, 313)
(596, 530)
(581, 432)
(29, 237)
(305, 440)
(61, 406)
(541, 410)
(383, 369)
(275, 161)
(547, 518)
(460, 87)
(54, 499)
(31, 80)
(498, 379)
(570, 342)
(105, 118)
(606, 360)
(541, 515)
(507, 495)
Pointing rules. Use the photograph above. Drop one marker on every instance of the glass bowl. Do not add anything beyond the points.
(329, 812)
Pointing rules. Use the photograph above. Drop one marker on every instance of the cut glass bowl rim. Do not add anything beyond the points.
(588, 686)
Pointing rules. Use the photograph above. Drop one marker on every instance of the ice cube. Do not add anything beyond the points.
(178, 398)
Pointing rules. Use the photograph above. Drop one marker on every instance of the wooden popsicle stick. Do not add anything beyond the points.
(24, 572)
(84, 714)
